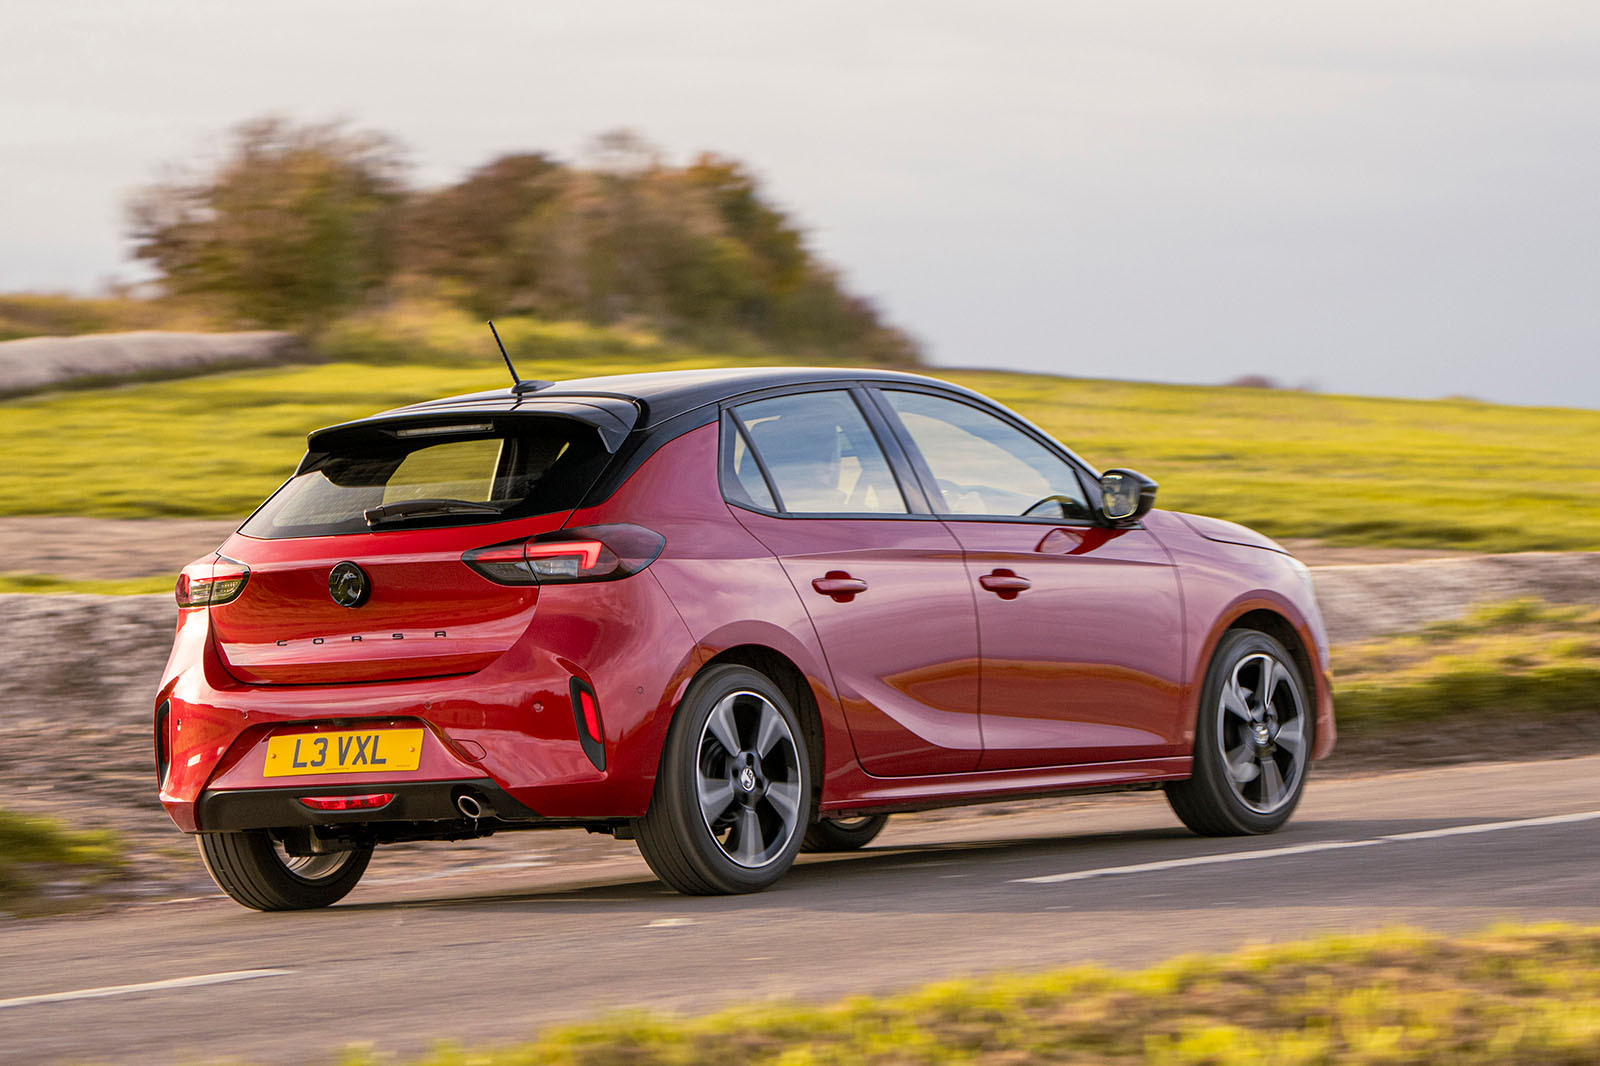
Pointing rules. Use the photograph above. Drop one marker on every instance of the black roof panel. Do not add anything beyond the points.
(660, 394)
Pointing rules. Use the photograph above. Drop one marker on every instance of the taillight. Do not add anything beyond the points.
(585, 553)
(210, 584)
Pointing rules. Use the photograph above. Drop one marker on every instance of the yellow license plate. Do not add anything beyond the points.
(370, 751)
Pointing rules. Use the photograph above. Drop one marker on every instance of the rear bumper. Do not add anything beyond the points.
(221, 810)
(507, 730)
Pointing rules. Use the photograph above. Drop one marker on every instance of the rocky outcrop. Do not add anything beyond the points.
(35, 363)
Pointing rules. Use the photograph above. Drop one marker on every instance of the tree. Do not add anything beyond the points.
(296, 224)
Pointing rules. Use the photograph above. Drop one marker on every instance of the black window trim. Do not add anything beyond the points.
(1087, 479)
(909, 485)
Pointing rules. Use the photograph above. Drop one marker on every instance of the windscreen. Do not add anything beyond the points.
(399, 477)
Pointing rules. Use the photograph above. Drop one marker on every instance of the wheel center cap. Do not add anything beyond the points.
(747, 779)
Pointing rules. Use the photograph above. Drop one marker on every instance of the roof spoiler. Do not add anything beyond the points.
(612, 418)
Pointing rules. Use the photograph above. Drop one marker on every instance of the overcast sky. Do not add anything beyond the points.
(1375, 197)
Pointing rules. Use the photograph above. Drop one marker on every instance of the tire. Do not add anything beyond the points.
(251, 869)
(733, 793)
(843, 834)
(1251, 751)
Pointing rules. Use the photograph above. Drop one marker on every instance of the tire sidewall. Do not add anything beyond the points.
(1210, 771)
(676, 785)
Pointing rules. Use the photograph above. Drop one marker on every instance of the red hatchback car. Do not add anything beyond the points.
(729, 614)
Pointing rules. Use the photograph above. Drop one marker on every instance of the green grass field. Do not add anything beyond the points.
(1504, 660)
(1510, 995)
(1344, 469)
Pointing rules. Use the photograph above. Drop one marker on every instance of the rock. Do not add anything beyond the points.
(35, 363)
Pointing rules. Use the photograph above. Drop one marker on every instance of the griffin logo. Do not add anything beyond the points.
(348, 585)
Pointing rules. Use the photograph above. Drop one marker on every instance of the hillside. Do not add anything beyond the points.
(1345, 470)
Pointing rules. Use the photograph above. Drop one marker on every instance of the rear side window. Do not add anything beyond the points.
(817, 455)
(405, 477)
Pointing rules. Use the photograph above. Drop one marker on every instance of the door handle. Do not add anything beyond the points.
(840, 585)
(1005, 584)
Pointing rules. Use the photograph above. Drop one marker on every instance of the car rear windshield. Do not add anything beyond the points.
(404, 477)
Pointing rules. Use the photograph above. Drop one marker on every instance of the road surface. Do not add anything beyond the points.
(486, 953)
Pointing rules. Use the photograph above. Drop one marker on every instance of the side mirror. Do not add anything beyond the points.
(1125, 495)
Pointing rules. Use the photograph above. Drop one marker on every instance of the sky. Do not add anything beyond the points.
(1385, 198)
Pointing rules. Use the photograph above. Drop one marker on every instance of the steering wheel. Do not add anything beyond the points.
(1061, 503)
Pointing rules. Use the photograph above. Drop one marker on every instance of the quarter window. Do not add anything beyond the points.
(983, 465)
(820, 454)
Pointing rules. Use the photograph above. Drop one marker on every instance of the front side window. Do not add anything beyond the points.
(985, 466)
(819, 455)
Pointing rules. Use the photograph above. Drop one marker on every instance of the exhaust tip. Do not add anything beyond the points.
(473, 807)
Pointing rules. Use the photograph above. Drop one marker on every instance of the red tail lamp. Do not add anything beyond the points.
(371, 801)
(210, 583)
(585, 553)
(591, 727)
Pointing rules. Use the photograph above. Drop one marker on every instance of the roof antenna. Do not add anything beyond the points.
(518, 385)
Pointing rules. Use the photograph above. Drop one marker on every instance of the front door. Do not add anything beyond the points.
(886, 588)
(1079, 624)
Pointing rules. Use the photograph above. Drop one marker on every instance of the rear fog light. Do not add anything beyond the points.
(348, 803)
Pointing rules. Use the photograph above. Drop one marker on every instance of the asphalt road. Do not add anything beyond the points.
(485, 953)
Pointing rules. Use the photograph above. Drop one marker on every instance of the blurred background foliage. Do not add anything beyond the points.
(298, 226)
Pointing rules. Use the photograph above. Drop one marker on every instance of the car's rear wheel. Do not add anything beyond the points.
(844, 834)
(1252, 743)
(734, 788)
(256, 871)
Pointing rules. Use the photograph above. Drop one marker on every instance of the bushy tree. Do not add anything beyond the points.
(300, 223)
(295, 224)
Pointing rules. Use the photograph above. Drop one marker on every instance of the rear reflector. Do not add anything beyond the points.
(348, 803)
(591, 728)
(211, 583)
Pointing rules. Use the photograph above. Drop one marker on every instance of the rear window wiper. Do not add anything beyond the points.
(425, 508)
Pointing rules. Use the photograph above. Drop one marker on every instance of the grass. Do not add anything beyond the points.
(1348, 470)
(1522, 657)
(1512, 994)
(21, 581)
(34, 849)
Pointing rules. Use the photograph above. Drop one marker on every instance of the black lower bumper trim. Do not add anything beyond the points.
(414, 801)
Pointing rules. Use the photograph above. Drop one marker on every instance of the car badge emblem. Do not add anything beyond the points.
(747, 779)
(348, 585)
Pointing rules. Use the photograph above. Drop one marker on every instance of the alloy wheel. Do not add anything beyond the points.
(747, 779)
(1261, 732)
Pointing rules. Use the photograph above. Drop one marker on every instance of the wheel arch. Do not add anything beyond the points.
(791, 681)
(1270, 618)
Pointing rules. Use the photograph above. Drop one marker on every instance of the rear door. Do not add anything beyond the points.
(882, 579)
(1080, 624)
(355, 564)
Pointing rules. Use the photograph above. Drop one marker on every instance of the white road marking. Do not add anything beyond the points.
(148, 986)
(1307, 849)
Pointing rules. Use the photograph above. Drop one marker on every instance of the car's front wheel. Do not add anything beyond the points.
(734, 790)
(1252, 743)
(256, 871)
